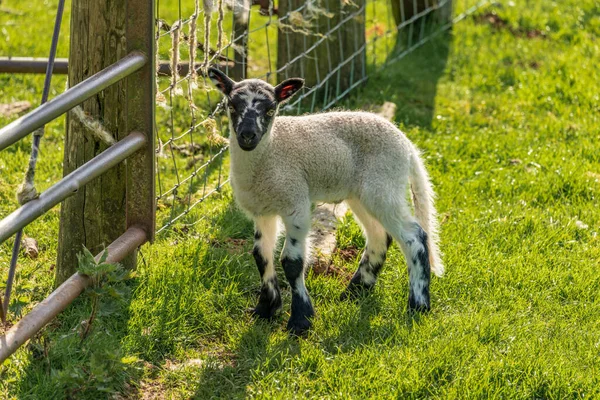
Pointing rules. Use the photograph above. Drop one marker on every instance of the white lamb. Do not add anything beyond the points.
(280, 166)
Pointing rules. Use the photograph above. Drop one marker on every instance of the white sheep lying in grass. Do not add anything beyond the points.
(280, 166)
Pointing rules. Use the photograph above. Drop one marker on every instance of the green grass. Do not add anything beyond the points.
(509, 127)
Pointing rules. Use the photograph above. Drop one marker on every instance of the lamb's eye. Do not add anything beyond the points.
(271, 112)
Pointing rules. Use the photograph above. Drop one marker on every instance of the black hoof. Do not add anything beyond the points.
(299, 326)
(355, 289)
(267, 309)
(264, 312)
(421, 306)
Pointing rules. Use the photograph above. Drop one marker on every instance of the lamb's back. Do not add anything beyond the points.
(327, 134)
(332, 150)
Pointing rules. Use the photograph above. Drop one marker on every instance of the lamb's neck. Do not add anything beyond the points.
(244, 163)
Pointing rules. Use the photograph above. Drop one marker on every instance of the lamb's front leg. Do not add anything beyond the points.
(265, 239)
(293, 260)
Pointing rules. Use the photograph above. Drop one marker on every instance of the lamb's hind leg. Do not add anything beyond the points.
(413, 241)
(397, 219)
(373, 257)
(293, 260)
(265, 238)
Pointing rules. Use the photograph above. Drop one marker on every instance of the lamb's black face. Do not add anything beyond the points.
(252, 105)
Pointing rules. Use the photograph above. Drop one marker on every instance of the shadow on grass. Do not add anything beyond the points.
(358, 330)
(199, 308)
(202, 308)
(230, 376)
(256, 348)
(409, 82)
(231, 381)
(369, 324)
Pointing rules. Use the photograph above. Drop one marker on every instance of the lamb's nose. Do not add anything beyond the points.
(247, 136)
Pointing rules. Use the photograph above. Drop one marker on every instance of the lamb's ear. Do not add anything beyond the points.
(286, 89)
(221, 81)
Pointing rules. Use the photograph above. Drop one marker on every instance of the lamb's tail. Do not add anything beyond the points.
(423, 196)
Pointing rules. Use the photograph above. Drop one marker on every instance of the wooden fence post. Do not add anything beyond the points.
(239, 70)
(98, 214)
(403, 10)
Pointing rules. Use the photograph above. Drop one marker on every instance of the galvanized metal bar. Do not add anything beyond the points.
(34, 65)
(31, 65)
(141, 99)
(62, 103)
(71, 183)
(64, 295)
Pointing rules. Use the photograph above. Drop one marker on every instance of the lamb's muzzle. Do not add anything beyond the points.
(282, 165)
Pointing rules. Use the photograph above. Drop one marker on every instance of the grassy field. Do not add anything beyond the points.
(506, 110)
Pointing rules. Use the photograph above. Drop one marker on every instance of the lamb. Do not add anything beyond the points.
(282, 165)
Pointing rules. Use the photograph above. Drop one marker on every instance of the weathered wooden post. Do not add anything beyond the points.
(324, 44)
(102, 33)
(424, 11)
(404, 10)
(241, 17)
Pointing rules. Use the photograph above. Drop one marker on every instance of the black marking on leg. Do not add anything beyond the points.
(356, 288)
(421, 261)
(376, 268)
(269, 301)
(292, 268)
(302, 309)
(388, 240)
(293, 241)
(261, 262)
(257, 235)
(424, 253)
(301, 315)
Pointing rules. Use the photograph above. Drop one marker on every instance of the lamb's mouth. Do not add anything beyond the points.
(248, 146)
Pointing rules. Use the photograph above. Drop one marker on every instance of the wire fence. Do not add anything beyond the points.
(333, 45)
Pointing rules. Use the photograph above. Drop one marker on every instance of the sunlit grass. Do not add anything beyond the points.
(506, 114)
